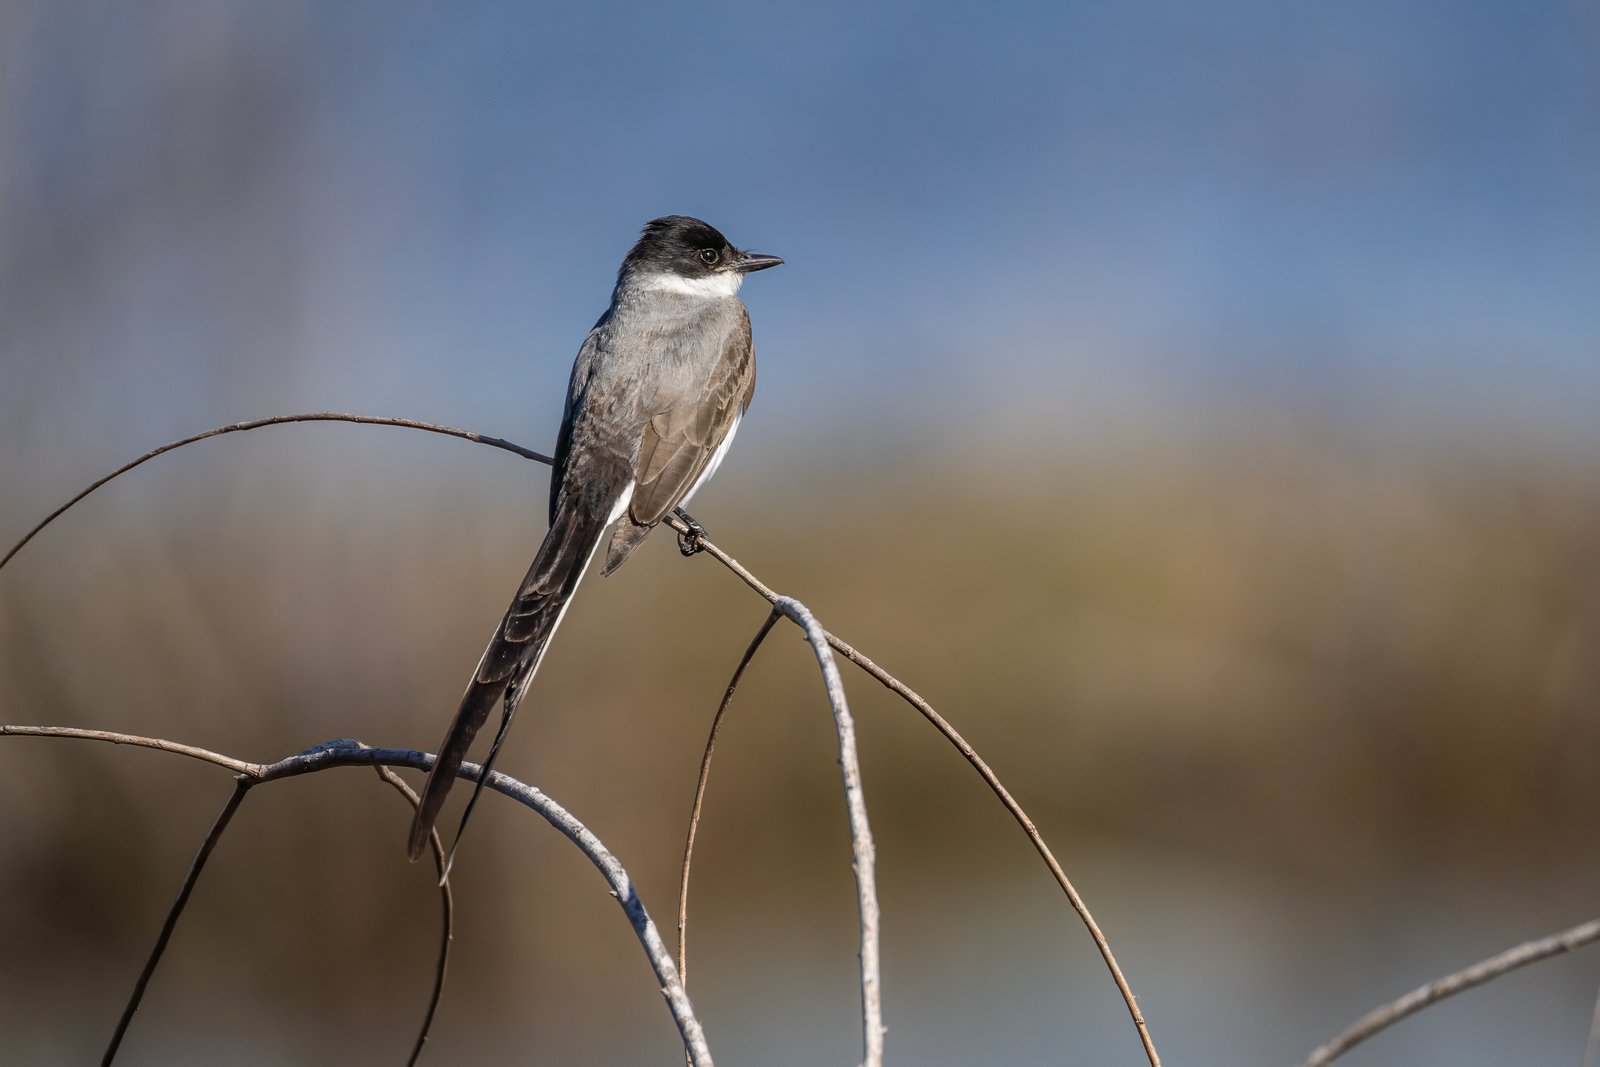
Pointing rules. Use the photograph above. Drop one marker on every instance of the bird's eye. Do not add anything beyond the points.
(709, 256)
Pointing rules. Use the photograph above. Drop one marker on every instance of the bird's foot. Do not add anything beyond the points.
(692, 539)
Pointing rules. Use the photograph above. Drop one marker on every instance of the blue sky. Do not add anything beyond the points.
(1048, 219)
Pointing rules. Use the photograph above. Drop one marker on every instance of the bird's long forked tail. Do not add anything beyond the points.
(511, 659)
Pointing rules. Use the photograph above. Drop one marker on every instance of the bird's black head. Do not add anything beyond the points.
(687, 248)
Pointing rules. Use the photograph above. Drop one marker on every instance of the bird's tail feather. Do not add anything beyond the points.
(513, 655)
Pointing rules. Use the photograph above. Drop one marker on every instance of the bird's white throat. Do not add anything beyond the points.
(722, 283)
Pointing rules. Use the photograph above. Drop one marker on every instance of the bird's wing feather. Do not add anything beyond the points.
(681, 438)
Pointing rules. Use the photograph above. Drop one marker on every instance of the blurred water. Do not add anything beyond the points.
(1228, 971)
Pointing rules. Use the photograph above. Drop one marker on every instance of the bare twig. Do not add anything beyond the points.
(157, 743)
(447, 903)
(860, 833)
(700, 793)
(241, 786)
(694, 1038)
(1520, 956)
(276, 420)
(347, 753)
(978, 764)
(859, 659)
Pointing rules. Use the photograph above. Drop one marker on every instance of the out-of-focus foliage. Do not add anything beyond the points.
(1321, 668)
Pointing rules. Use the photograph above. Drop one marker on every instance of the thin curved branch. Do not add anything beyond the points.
(276, 420)
(348, 753)
(251, 770)
(865, 857)
(353, 753)
(1382, 1018)
(700, 793)
(676, 523)
(447, 927)
(694, 1038)
(241, 786)
(987, 773)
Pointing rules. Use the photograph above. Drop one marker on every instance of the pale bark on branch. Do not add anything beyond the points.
(1381, 1018)
(864, 856)
(345, 753)
(990, 778)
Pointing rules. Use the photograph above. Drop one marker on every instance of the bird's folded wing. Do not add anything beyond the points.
(679, 441)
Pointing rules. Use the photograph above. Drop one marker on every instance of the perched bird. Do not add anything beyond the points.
(657, 392)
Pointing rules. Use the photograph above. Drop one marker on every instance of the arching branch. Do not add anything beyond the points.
(864, 856)
(1382, 1018)
(700, 791)
(888, 680)
(990, 778)
(448, 919)
(348, 753)
(174, 913)
(275, 420)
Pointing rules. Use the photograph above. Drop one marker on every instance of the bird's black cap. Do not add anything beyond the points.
(691, 248)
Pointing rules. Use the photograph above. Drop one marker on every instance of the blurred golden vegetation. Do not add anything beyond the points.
(1320, 661)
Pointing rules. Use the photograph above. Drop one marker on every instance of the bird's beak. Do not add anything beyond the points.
(753, 261)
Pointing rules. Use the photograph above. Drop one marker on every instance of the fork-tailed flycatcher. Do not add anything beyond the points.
(657, 392)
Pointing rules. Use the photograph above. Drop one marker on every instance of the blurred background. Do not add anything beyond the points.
(1195, 402)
